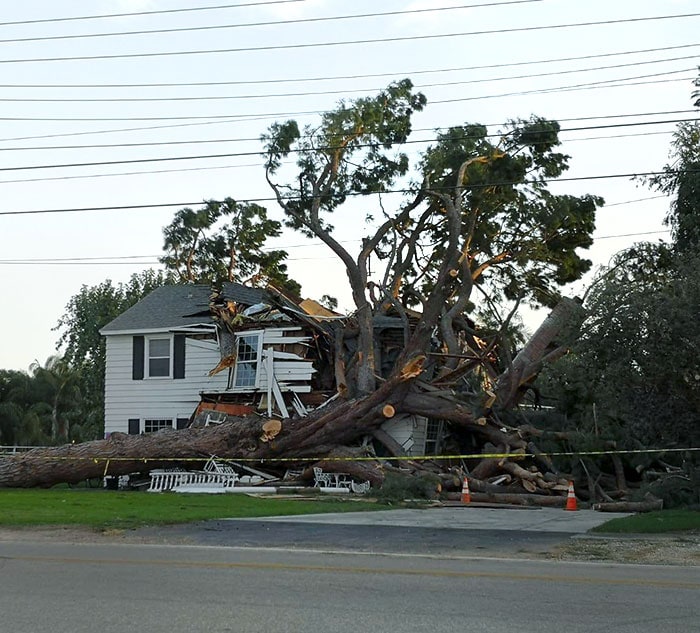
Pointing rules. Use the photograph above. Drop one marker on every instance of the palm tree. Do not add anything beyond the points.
(57, 384)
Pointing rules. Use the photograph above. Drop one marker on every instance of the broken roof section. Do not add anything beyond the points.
(172, 307)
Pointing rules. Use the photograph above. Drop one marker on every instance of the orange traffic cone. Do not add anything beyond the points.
(466, 496)
(571, 498)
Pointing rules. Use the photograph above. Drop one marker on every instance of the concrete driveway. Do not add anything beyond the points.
(441, 531)
(465, 517)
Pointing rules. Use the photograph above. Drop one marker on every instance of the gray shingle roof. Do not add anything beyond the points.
(178, 306)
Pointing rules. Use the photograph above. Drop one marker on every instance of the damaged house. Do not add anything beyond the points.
(182, 356)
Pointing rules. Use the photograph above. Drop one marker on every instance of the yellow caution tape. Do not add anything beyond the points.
(417, 458)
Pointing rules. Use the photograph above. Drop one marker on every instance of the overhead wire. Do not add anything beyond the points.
(351, 194)
(250, 117)
(153, 259)
(339, 93)
(240, 25)
(260, 153)
(369, 75)
(257, 138)
(306, 45)
(181, 125)
(142, 13)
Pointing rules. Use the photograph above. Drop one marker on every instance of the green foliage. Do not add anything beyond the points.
(476, 214)
(681, 180)
(224, 241)
(678, 489)
(346, 154)
(636, 360)
(522, 240)
(398, 487)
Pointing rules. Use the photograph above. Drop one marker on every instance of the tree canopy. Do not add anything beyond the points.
(224, 241)
(636, 358)
(473, 212)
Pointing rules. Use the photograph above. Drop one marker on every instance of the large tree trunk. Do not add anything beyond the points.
(327, 434)
(315, 436)
(528, 362)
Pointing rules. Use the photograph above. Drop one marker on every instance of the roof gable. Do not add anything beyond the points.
(171, 307)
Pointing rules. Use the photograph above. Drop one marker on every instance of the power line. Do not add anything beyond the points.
(257, 138)
(617, 204)
(353, 90)
(179, 125)
(128, 173)
(259, 153)
(251, 117)
(153, 259)
(371, 75)
(588, 86)
(141, 13)
(247, 165)
(411, 38)
(189, 29)
(607, 237)
(291, 198)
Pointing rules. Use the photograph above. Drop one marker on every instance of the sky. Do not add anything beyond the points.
(86, 122)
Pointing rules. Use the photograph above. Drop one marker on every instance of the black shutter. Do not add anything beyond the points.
(134, 426)
(182, 423)
(179, 356)
(138, 358)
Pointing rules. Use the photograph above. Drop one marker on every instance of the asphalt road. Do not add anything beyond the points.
(117, 588)
(462, 530)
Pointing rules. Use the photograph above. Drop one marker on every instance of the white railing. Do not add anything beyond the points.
(162, 480)
(13, 450)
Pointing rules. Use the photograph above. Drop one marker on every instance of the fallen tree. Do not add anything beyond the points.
(475, 234)
(326, 436)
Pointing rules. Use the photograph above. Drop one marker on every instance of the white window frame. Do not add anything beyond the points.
(147, 356)
(257, 361)
(144, 421)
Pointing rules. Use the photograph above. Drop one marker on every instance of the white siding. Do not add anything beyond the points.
(409, 431)
(163, 398)
(126, 398)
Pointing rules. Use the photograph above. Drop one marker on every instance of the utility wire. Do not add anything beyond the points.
(249, 165)
(597, 85)
(257, 165)
(352, 194)
(153, 259)
(181, 125)
(294, 151)
(250, 117)
(257, 138)
(212, 27)
(409, 38)
(371, 75)
(141, 13)
(350, 91)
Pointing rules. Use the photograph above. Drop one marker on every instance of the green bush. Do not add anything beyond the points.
(401, 487)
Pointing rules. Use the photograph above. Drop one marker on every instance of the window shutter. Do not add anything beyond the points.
(134, 426)
(138, 358)
(179, 356)
(182, 423)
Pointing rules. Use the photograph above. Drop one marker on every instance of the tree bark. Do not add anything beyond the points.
(527, 362)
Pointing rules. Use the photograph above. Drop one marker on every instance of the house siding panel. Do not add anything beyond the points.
(126, 398)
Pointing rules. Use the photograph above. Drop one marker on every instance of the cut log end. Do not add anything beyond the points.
(388, 411)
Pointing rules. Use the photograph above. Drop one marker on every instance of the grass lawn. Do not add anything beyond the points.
(102, 509)
(654, 523)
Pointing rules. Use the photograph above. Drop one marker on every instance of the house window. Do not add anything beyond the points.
(158, 358)
(151, 426)
(433, 437)
(247, 360)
